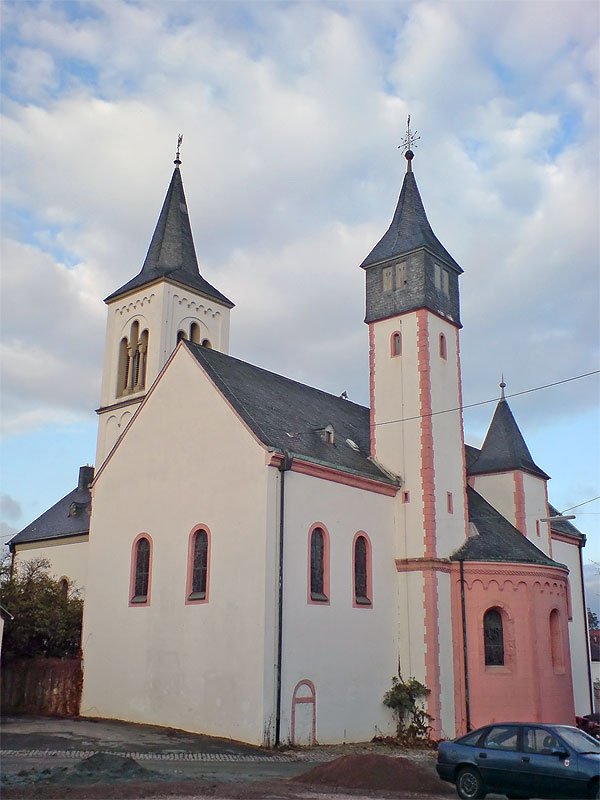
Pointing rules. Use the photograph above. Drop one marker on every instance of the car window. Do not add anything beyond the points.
(540, 740)
(470, 738)
(579, 741)
(502, 737)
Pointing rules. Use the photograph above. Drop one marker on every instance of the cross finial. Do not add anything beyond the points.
(177, 161)
(502, 387)
(409, 141)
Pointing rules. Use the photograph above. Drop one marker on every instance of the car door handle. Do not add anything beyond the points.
(482, 755)
(525, 759)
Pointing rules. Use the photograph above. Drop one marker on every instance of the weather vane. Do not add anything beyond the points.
(179, 141)
(408, 143)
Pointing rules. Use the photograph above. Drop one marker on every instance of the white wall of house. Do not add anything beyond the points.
(499, 491)
(68, 557)
(186, 460)
(569, 554)
(349, 654)
(536, 509)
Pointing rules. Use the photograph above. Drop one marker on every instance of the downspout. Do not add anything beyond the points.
(285, 465)
(586, 628)
(464, 632)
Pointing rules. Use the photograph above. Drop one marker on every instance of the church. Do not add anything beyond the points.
(260, 557)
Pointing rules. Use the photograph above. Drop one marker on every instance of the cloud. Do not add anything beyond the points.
(9, 507)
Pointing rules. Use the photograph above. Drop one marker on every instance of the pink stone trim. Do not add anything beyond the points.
(558, 536)
(393, 352)
(345, 478)
(312, 700)
(399, 315)
(190, 565)
(548, 524)
(369, 571)
(326, 590)
(132, 570)
(471, 481)
(372, 388)
(432, 652)
(424, 565)
(521, 522)
(427, 455)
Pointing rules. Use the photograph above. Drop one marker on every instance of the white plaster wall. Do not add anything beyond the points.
(185, 460)
(536, 509)
(499, 491)
(447, 676)
(569, 554)
(68, 557)
(448, 439)
(411, 625)
(396, 384)
(162, 309)
(595, 677)
(350, 654)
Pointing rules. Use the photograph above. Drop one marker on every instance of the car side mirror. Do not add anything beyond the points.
(559, 753)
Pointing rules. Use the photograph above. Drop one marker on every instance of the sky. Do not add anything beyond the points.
(292, 113)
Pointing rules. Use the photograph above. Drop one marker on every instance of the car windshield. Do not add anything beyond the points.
(579, 741)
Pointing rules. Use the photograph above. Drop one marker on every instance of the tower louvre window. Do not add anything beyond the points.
(181, 335)
(133, 356)
(388, 279)
(446, 282)
(401, 276)
(195, 333)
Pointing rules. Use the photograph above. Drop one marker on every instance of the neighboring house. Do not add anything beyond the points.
(264, 556)
(60, 534)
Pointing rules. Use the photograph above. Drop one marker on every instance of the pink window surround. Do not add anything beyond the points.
(325, 532)
(443, 347)
(132, 574)
(556, 643)
(449, 503)
(189, 600)
(360, 602)
(299, 696)
(396, 344)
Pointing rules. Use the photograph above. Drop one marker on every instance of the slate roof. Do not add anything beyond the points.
(172, 253)
(286, 415)
(409, 230)
(63, 518)
(497, 539)
(504, 447)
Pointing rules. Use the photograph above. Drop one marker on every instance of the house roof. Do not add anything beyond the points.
(409, 230)
(496, 539)
(172, 254)
(69, 517)
(504, 447)
(288, 416)
(564, 526)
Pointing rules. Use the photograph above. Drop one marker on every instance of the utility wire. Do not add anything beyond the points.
(585, 502)
(493, 399)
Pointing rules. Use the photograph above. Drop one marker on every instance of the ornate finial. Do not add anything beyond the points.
(177, 161)
(408, 143)
(502, 387)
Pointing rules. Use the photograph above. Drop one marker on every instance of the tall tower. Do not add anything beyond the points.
(412, 310)
(166, 301)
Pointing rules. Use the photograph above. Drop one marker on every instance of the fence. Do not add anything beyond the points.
(42, 686)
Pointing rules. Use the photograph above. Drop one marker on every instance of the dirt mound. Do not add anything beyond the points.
(107, 766)
(372, 771)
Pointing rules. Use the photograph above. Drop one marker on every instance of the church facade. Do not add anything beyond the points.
(263, 556)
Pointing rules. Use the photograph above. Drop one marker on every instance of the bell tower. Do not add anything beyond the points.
(168, 300)
(413, 315)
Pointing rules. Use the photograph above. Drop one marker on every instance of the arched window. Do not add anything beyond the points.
(181, 335)
(195, 333)
(443, 349)
(362, 571)
(396, 344)
(206, 343)
(556, 644)
(319, 566)
(133, 352)
(64, 587)
(140, 571)
(198, 566)
(493, 638)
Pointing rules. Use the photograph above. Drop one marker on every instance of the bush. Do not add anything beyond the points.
(47, 613)
(404, 698)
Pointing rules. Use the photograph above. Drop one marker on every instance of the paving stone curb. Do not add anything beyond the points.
(78, 754)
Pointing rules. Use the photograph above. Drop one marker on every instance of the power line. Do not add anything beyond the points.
(585, 502)
(492, 400)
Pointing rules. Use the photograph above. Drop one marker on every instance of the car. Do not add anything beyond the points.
(522, 760)
(590, 723)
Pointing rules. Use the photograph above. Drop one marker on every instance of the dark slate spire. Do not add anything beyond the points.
(172, 253)
(409, 229)
(504, 447)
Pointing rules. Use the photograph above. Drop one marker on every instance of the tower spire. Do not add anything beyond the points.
(407, 144)
(502, 388)
(177, 161)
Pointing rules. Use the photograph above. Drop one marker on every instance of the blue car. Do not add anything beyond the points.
(522, 760)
